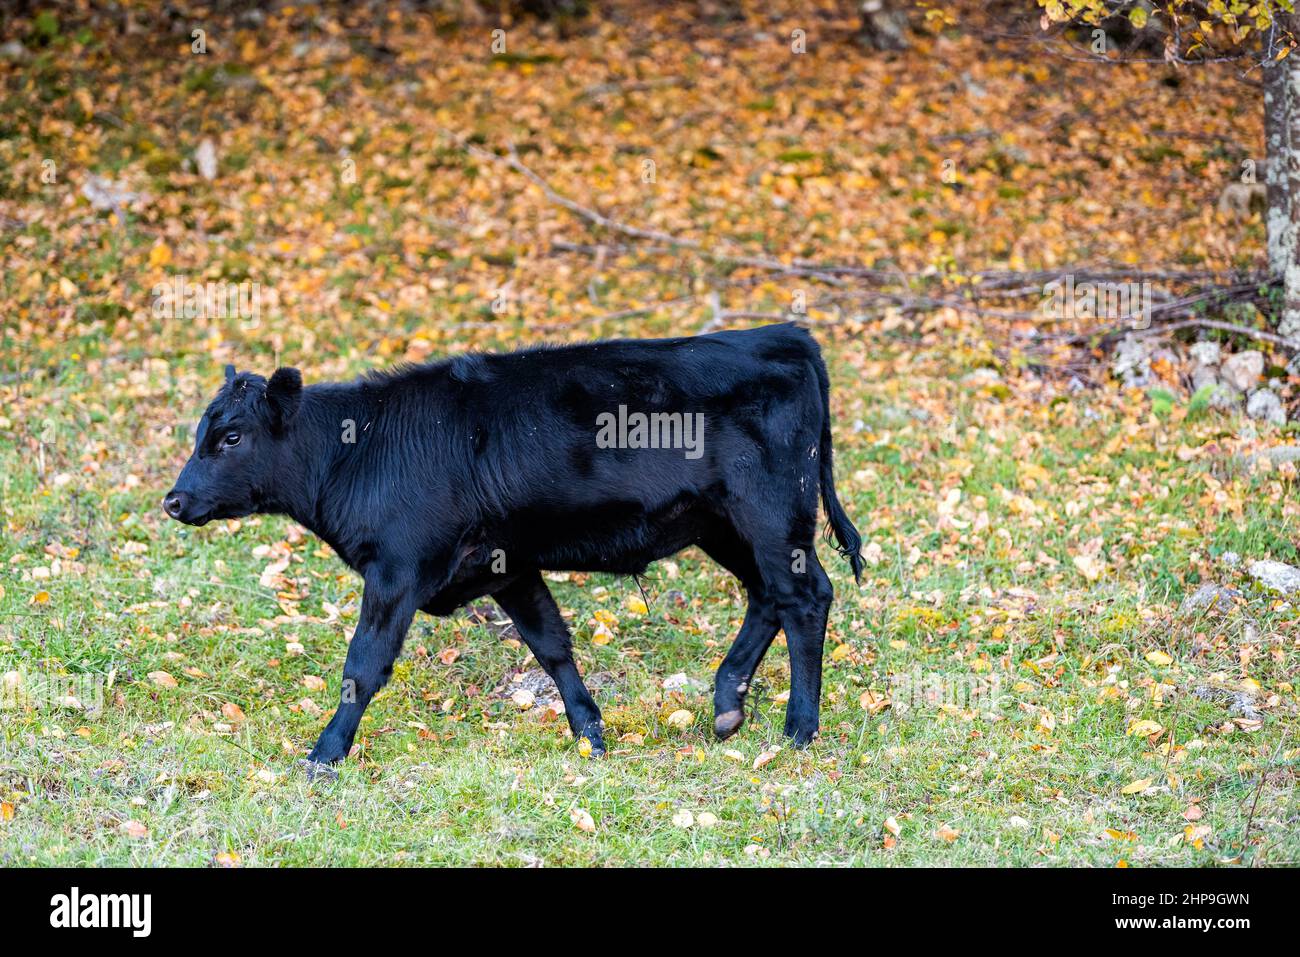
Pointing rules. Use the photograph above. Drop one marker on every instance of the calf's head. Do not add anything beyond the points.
(237, 448)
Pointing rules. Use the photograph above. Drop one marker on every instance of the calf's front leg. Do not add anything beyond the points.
(532, 608)
(387, 607)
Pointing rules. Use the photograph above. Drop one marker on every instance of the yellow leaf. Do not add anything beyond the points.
(947, 833)
(1141, 784)
(1032, 470)
(162, 679)
(681, 718)
(1145, 727)
(1159, 658)
(41, 598)
(1089, 566)
(6, 811)
(160, 255)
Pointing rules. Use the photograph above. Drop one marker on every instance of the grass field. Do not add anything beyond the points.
(1013, 684)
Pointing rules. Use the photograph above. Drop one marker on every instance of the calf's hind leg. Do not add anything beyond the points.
(736, 673)
(531, 607)
(796, 587)
(803, 605)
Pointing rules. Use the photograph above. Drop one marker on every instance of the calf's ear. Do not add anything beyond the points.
(283, 394)
(230, 374)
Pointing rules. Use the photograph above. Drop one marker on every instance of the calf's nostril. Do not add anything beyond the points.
(172, 504)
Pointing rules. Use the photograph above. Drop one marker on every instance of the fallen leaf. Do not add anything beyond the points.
(232, 712)
(1136, 786)
(582, 820)
(681, 718)
(1145, 727)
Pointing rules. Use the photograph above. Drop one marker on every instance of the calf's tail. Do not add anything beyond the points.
(849, 542)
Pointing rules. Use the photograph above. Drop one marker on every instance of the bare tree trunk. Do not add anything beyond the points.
(1290, 172)
(883, 25)
(1281, 239)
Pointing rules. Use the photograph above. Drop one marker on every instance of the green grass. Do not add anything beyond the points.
(1022, 747)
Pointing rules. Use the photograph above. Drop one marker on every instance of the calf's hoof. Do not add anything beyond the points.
(595, 741)
(802, 735)
(728, 723)
(316, 771)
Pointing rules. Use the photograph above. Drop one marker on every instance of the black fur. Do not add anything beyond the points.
(472, 476)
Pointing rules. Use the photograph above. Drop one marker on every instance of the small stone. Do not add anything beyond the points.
(205, 158)
(1265, 406)
(1205, 353)
(1132, 363)
(1230, 559)
(523, 699)
(1203, 376)
(1277, 576)
(14, 51)
(1209, 596)
(1224, 398)
(1281, 454)
(1242, 370)
(683, 682)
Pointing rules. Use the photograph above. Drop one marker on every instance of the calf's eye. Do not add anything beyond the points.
(232, 438)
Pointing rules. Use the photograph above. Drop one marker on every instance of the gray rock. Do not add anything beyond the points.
(1237, 702)
(683, 682)
(1224, 398)
(981, 377)
(1210, 597)
(1281, 454)
(1242, 370)
(1132, 362)
(1276, 576)
(1265, 406)
(1203, 375)
(1205, 353)
(104, 194)
(1230, 559)
(14, 51)
(205, 157)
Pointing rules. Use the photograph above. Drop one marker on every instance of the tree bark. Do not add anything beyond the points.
(1290, 172)
(1276, 177)
(883, 25)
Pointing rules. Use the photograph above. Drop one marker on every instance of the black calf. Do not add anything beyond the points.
(445, 482)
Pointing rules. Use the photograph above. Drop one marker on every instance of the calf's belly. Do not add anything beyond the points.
(618, 538)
